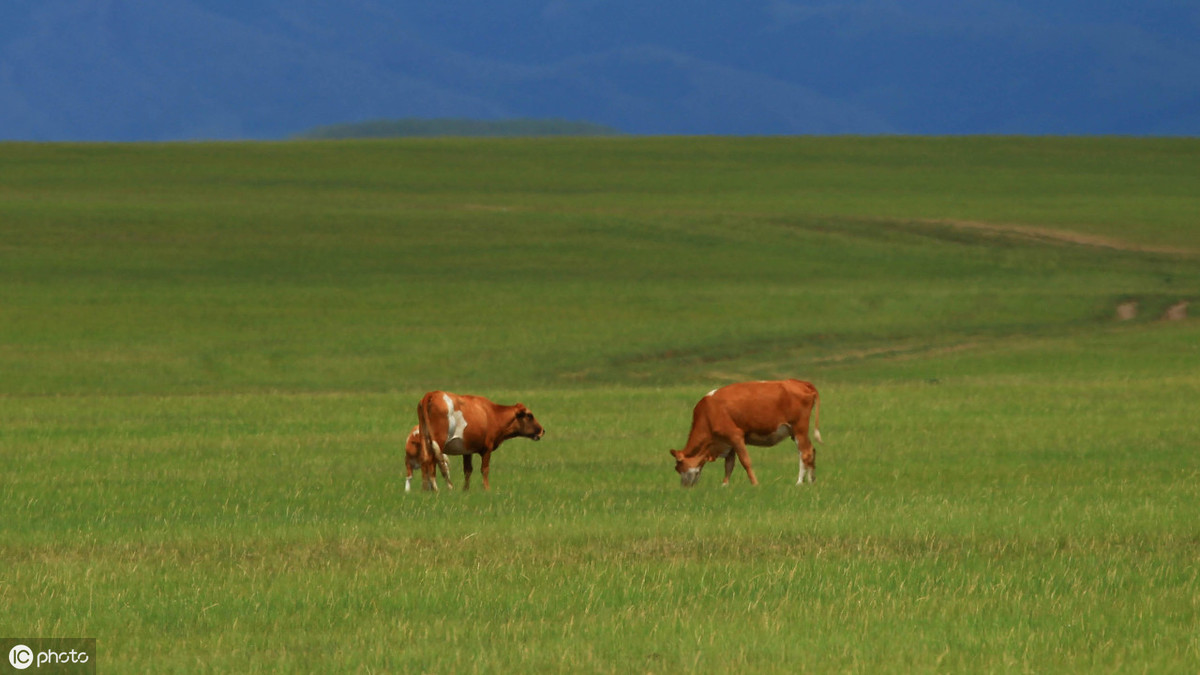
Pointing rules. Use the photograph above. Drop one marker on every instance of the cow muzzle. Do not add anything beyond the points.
(689, 478)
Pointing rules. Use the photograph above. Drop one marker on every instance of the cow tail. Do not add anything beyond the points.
(427, 454)
(817, 415)
(423, 427)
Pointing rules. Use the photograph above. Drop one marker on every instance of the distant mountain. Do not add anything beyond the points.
(228, 69)
(418, 128)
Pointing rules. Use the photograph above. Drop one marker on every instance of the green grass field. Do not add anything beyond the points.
(210, 355)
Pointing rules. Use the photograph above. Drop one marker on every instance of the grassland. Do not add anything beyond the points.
(210, 355)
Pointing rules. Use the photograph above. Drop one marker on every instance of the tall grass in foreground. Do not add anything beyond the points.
(210, 355)
(940, 535)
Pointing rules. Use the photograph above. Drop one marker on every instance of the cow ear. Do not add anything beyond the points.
(676, 454)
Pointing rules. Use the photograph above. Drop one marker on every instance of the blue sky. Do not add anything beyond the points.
(187, 69)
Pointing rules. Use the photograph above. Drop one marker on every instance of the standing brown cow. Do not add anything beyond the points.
(452, 424)
(750, 413)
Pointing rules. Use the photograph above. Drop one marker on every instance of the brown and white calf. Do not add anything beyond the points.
(728, 419)
(453, 424)
(412, 456)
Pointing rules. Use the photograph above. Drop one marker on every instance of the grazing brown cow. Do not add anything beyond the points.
(754, 413)
(451, 424)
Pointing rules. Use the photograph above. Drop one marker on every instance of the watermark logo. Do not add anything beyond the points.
(20, 657)
(49, 655)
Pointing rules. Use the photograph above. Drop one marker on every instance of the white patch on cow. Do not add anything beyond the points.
(456, 427)
(817, 435)
(710, 393)
(690, 476)
(408, 483)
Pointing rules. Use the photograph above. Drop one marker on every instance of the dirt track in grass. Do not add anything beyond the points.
(1061, 236)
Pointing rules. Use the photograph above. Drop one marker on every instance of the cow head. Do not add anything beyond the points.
(526, 424)
(688, 468)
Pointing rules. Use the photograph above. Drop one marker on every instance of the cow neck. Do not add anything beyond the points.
(695, 446)
(509, 414)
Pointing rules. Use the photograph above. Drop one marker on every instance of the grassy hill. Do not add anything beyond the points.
(212, 353)
(312, 267)
(437, 128)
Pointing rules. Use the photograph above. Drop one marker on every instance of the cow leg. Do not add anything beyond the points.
(730, 459)
(486, 464)
(429, 471)
(739, 446)
(408, 472)
(429, 475)
(468, 467)
(808, 459)
(431, 464)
